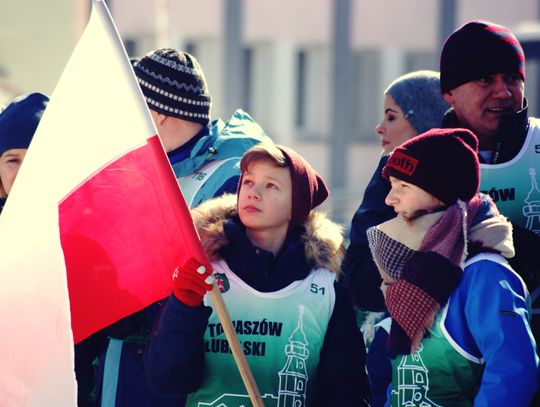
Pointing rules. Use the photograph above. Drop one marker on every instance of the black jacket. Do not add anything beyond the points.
(174, 358)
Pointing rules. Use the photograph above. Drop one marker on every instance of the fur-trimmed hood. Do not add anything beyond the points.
(323, 239)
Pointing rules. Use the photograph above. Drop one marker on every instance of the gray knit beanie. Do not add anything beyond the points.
(418, 95)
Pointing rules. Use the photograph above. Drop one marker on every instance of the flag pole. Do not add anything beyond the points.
(234, 343)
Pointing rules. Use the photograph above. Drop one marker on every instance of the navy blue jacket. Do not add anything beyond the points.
(174, 358)
(361, 274)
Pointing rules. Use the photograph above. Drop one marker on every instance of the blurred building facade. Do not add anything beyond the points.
(273, 58)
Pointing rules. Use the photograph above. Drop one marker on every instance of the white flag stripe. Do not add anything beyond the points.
(91, 81)
(96, 114)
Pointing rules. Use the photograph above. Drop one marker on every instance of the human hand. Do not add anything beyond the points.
(191, 281)
(387, 282)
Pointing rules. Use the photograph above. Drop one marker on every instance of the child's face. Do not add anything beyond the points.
(10, 162)
(409, 200)
(265, 197)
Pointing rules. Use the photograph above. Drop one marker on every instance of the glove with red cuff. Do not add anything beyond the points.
(191, 281)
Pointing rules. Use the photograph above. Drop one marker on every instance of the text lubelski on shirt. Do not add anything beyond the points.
(254, 348)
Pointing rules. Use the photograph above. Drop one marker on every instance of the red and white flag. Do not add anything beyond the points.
(95, 223)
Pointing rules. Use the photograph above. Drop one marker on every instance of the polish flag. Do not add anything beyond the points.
(94, 225)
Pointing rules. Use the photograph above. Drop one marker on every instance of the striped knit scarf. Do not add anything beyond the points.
(424, 257)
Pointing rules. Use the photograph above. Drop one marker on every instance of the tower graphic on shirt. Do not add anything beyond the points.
(293, 377)
(531, 210)
(413, 382)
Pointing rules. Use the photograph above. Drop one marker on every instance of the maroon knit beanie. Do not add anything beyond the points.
(443, 162)
(308, 188)
(478, 49)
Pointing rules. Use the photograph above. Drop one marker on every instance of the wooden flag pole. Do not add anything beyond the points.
(234, 343)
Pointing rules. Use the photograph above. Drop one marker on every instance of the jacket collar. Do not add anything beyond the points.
(320, 239)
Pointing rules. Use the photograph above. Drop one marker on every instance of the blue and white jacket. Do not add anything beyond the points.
(485, 324)
(211, 167)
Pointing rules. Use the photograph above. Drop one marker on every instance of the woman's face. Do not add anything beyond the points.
(394, 128)
(10, 162)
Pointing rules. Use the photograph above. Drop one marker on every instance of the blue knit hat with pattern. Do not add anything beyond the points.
(418, 95)
(173, 84)
(19, 121)
(477, 49)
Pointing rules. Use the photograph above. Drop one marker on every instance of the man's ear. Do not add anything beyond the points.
(449, 97)
(158, 118)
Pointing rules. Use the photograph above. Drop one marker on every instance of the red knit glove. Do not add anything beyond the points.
(191, 282)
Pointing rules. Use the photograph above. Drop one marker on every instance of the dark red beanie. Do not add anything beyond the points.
(443, 162)
(478, 49)
(308, 188)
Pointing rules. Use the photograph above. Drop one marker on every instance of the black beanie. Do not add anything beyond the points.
(477, 49)
(173, 84)
(443, 162)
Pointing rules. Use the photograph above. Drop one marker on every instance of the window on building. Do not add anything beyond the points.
(131, 47)
(300, 88)
(421, 60)
(248, 78)
(313, 92)
(367, 95)
(190, 48)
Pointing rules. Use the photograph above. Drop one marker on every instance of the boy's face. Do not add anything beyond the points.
(480, 104)
(10, 162)
(265, 197)
(408, 200)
